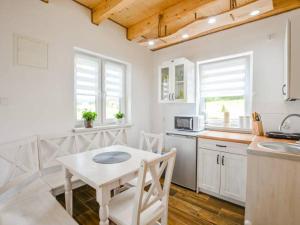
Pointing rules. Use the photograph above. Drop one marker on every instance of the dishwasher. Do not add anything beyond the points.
(185, 169)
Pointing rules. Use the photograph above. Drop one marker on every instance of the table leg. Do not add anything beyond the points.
(103, 198)
(68, 192)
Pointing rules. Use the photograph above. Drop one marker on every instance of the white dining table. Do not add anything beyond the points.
(102, 177)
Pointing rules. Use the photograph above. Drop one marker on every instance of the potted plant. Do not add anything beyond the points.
(120, 117)
(89, 117)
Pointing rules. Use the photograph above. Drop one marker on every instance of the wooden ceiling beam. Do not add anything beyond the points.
(172, 13)
(106, 8)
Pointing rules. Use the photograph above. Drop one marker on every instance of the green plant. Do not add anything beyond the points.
(89, 115)
(119, 115)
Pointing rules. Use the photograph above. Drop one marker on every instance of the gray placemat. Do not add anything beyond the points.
(111, 157)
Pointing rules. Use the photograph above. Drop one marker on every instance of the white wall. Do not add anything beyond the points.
(265, 38)
(41, 101)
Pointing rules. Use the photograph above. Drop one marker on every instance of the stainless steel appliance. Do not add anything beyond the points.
(189, 123)
(185, 170)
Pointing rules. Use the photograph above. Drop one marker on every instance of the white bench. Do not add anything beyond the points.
(33, 205)
(30, 176)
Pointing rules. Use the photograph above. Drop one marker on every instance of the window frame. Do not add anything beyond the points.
(248, 90)
(100, 97)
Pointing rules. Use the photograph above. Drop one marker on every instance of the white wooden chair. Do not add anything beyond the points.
(148, 142)
(151, 142)
(138, 207)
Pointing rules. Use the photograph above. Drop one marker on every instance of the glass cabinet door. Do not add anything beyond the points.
(179, 82)
(164, 83)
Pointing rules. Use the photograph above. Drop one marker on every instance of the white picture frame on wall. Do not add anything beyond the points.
(30, 52)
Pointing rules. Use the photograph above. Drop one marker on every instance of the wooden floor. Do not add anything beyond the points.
(185, 208)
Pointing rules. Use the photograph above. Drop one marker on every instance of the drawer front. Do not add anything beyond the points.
(223, 146)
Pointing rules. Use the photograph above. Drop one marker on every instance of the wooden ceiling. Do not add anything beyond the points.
(160, 23)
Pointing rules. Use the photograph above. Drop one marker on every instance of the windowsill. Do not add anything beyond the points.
(229, 129)
(104, 127)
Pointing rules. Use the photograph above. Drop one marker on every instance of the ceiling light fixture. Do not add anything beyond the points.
(185, 36)
(254, 13)
(151, 43)
(212, 20)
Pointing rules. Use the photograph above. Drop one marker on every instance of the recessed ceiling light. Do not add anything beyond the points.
(212, 20)
(151, 43)
(254, 13)
(185, 36)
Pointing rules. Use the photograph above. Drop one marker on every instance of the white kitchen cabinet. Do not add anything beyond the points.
(222, 169)
(290, 87)
(233, 176)
(177, 81)
(209, 170)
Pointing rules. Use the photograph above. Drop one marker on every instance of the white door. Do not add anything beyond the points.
(233, 176)
(209, 170)
(165, 83)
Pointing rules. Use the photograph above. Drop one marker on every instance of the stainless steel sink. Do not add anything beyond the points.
(283, 147)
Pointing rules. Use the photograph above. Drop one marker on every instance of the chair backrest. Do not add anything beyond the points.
(151, 142)
(18, 162)
(157, 193)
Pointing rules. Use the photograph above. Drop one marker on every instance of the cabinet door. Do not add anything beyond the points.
(164, 83)
(209, 170)
(179, 82)
(294, 81)
(233, 176)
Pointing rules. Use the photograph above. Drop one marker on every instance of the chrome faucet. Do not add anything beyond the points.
(288, 116)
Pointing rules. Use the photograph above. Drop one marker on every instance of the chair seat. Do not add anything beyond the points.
(121, 209)
(147, 180)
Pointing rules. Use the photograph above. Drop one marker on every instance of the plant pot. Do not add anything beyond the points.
(88, 123)
(121, 121)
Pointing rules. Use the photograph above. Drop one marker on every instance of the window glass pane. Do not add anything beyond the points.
(215, 107)
(85, 102)
(179, 82)
(114, 88)
(112, 106)
(164, 83)
(86, 82)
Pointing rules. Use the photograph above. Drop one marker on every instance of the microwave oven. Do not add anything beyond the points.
(189, 123)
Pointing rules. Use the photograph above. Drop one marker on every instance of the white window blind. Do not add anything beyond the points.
(114, 86)
(86, 83)
(224, 78)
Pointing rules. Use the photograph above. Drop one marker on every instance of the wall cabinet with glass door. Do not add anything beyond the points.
(177, 81)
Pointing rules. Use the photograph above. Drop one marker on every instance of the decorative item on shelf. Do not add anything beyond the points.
(120, 117)
(226, 115)
(257, 127)
(89, 117)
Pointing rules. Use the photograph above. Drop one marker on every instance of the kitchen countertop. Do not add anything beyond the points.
(250, 139)
(255, 149)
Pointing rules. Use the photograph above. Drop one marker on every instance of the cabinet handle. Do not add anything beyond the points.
(222, 160)
(218, 156)
(283, 87)
(221, 146)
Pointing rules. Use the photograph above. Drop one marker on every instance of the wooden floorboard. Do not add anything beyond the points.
(185, 208)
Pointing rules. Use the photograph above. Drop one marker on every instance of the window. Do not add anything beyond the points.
(99, 86)
(225, 87)
(114, 79)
